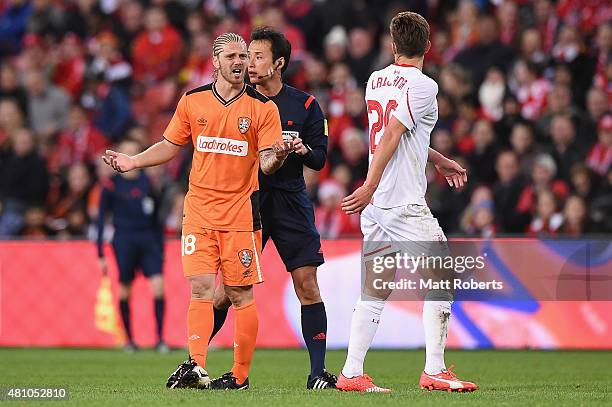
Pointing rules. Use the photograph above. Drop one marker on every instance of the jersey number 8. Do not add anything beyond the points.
(188, 245)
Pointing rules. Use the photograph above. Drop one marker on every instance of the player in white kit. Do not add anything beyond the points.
(402, 111)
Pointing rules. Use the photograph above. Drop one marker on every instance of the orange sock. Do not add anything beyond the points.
(245, 334)
(199, 328)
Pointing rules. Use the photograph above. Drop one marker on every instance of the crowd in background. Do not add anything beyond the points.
(524, 104)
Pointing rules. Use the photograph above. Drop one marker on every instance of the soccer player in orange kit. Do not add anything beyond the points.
(235, 131)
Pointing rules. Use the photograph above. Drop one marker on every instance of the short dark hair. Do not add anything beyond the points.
(410, 34)
(281, 47)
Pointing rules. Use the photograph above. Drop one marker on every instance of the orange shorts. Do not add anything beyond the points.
(236, 254)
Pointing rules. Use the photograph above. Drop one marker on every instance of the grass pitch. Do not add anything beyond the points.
(278, 378)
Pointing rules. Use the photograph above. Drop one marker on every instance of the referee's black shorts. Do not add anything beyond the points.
(288, 219)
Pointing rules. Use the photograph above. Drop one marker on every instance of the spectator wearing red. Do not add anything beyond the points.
(603, 47)
(531, 90)
(273, 17)
(157, 50)
(547, 22)
(35, 55)
(341, 82)
(600, 157)
(547, 220)
(198, 69)
(354, 115)
(331, 221)
(107, 97)
(571, 51)
(585, 14)
(507, 15)
(441, 51)
(79, 142)
(69, 71)
(542, 179)
(108, 62)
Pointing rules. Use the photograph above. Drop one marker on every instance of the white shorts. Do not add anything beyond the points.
(410, 228)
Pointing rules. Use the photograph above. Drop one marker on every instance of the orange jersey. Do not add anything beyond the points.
(227, 138)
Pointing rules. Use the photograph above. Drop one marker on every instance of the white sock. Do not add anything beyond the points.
(436, 317)
(364, 324)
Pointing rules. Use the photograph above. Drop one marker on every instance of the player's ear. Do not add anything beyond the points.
(393, 48)
(428, 47)
(216, 61)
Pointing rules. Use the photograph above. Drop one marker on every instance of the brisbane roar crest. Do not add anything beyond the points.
(243, 124)
(245, 256)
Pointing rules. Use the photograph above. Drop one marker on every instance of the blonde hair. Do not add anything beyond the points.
(225, 39)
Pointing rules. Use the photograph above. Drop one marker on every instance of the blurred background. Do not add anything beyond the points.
(524, 105)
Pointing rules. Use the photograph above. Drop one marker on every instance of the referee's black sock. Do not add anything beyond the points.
(314, 330)
(160, 305)
(219, 316)
(124, 307)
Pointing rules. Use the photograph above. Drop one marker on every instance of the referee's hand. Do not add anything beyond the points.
(299, 147)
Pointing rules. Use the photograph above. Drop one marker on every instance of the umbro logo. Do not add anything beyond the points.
(194, 337)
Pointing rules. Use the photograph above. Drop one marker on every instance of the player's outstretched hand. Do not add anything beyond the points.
(455, 174)
(119, 161)
(282, 150)
(358, 200)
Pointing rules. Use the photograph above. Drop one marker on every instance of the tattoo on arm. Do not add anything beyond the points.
(269, 162)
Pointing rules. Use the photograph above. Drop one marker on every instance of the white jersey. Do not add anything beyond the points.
(406, 93)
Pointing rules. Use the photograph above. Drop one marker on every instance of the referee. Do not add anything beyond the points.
(137, 240)
(287, 213)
